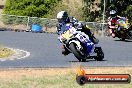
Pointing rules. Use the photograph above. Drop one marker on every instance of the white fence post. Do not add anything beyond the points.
(103, 20)
(28, 23)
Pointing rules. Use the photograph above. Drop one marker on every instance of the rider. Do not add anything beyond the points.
(63, 19)
(112, 20)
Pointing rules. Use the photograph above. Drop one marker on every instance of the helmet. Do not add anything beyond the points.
(62, 16)
(113, 13)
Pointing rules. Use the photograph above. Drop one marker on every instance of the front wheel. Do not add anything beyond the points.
(77, 54)
(130, 34)
(122, 39)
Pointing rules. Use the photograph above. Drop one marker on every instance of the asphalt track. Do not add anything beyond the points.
(45, 51)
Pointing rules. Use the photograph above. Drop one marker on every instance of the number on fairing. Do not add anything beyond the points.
(90, 44)
(80, 37)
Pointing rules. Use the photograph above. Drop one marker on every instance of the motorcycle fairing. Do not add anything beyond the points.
(88, 44)
(89, 47)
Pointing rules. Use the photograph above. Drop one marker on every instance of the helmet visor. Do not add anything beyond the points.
(60, 20)
(113, 15)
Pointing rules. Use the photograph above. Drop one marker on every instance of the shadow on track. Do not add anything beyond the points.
(128, 41)
(124, 40)
(89, 60)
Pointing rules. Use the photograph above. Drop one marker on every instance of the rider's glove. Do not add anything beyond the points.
(78, 25)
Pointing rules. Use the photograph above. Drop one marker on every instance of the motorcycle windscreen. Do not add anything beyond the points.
(66, 32)
(64, 27)
(89, 47)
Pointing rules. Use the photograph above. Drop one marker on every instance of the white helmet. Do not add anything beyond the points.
(112, 12)
(62, 16)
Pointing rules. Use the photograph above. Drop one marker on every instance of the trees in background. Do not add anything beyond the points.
(91, 13)
(33, 8)
(123, 7)
(90, 10)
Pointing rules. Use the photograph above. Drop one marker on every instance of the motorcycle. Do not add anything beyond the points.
(80, 45)
(123, 30)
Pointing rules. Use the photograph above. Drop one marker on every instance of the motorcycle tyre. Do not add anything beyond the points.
(100, 54)
(78, 55)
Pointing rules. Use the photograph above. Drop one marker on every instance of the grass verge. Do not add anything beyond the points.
(56, 77)
(5, 52)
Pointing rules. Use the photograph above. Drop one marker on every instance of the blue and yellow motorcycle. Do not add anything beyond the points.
(80, 45)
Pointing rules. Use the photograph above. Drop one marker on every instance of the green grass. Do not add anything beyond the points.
(58, 81)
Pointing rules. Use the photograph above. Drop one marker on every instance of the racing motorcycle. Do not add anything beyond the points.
(121, 30)
(80, 45)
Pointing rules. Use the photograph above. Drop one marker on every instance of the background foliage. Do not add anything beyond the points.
(123, 8)
(88, 10)
(33, 8)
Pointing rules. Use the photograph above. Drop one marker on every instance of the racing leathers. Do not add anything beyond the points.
(112, 24)
(78, 26)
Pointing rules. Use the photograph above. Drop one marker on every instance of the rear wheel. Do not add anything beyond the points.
(78, 54)
(100, 54)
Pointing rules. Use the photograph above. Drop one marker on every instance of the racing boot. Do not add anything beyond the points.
(65, 51)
